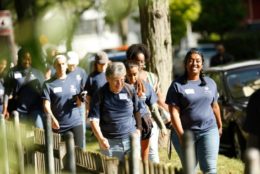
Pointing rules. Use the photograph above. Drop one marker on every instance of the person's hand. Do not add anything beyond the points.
(6, 115)
(104, 144)
(55, 123)
(164, 132)
(220, 131)
(138, 132)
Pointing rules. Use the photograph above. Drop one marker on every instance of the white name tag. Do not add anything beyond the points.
(123, 96)
(57, 89)
(78, 77)
(189, 91)
(1, 91)
(17, 75)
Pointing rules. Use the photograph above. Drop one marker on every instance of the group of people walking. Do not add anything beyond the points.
(119, 99)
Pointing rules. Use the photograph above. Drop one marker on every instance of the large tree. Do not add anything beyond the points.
(156, 34)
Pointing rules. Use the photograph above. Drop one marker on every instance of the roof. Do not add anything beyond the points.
(234, 65)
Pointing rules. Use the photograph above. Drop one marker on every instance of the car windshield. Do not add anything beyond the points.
(243, 82)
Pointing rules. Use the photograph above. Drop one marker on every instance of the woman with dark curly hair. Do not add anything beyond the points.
(192, 101)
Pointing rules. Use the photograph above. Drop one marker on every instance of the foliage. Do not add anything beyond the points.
(116, 10)
(219, 16)
(181, 12)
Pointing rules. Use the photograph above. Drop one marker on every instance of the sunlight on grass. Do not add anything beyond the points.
(225, 165)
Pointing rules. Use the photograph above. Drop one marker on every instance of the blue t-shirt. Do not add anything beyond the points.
(81, 77)
(95, 81)
(26, 87)
(115, 111)
(61, 94)
(151, 97)
(195, 102)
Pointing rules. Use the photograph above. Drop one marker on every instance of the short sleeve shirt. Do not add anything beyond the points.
(195, 102)
(80, 76)
(115, 112)
(61, 94)
(151, 97)
(26, 86)
(95, 81)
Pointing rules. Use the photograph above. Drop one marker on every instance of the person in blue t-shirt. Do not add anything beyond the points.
(97, 78)
(115, 113)
(60, 101)
(146, 95)
(80, 76)
(192, 101)
(23, 87)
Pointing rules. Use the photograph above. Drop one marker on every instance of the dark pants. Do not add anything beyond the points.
(78, 135)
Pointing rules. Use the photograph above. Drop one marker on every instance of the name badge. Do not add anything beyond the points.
(57, 89)
(189, 91)
(1, 91)
(17, 75)
(123, 96)
(78, 77)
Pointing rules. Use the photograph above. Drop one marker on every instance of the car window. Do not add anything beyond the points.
(242, 83)
(217, 78)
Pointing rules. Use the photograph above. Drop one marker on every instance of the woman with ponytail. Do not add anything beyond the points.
(192, 101)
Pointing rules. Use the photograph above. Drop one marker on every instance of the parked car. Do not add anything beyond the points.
(236, 82)
(207, 49)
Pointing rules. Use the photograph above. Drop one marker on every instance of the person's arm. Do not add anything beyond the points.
(103, 142)
(47, 110)
(217, 114)
(138, 119)
(157, 117)
(88, 99)
(161, 101)
(176, 121)
(5, 106)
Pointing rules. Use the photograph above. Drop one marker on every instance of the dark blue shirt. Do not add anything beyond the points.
(195, 102)
(115, 111)
(25, 85)
(94, 82)
(61, 94)
(80, 76)
(151, 97)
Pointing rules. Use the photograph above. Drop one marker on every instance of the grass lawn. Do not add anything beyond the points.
(225, 165)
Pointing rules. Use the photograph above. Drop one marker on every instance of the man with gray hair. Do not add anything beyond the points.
(115, 113)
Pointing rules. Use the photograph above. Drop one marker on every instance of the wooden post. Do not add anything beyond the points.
(18, 142)
(49, 160)
(188, 153)
(4, 154)
(135, 156)
(112, 165)
(70, 156)
(252, 161)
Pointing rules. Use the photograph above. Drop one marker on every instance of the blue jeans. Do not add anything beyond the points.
(206, 146)
(118, 148)
(35, 118)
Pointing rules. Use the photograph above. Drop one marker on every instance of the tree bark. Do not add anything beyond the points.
(156, 34)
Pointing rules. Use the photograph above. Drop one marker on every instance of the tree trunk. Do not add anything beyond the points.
(123, 30)
(156, 34)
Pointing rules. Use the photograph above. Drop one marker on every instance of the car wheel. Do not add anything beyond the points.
(238, 143)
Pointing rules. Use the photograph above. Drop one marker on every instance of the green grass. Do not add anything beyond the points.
(225, 165)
